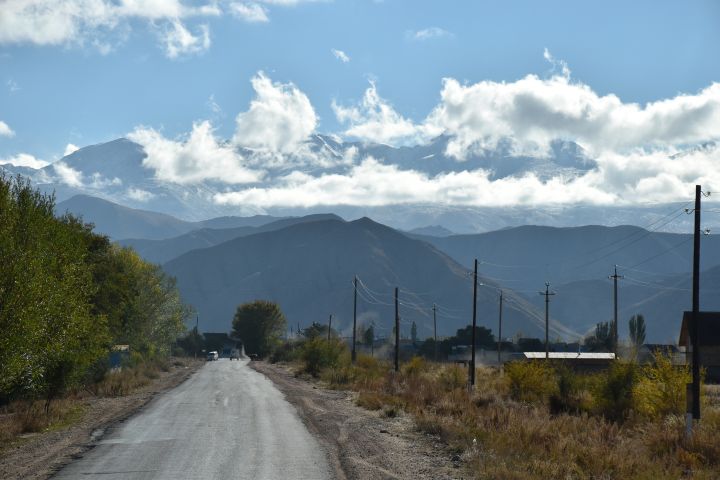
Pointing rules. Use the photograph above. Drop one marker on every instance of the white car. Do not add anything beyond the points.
(211, 356)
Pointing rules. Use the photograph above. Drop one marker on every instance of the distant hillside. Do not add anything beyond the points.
(119, 222)
(524, 258)
(432, 231)
(161, 251)
(308, 268)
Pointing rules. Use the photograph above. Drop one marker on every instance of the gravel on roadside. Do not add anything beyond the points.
(362, 444)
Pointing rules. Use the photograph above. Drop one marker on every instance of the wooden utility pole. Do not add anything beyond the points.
(500, 327)
(397, 333)
(615, 277)
(435, 329)
(354, 355)
(696, 309)
(329, 326)
(547, 294)
(474, 323)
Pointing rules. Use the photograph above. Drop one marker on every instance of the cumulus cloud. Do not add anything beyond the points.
(139, 194)
(68, 175)
(198, 157)
(70, 149)
(68, 22)
(24, 160)
(5, 130)
(179, 41)
(250, 12)
(372, 183)
(280, 117)
(429, 33)
(375, 120)
(340, 55)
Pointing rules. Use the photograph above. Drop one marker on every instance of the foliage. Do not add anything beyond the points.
(483, 336)
(67, 294)
(530, 381)
(284, 352)
(260, 325)
(660, 389)
(413, 332)
(614, 389)
(369, 335)
(318, 354)
(315, 330)
(636, 326)
(192, 343)
(602, 339)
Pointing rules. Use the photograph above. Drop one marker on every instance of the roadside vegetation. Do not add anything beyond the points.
(535, 419)
(67, 296)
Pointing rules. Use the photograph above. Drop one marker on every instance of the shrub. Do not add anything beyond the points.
(566, 398)
(532, 381)
(318, 354)
(414, 367)
(452, 377)
(660, 389)
(613, 392)
(285, 352)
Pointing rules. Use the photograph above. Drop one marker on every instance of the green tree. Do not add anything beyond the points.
(637, 330)
(315, 330)
(413, 332)
(602, 339)
(483, 336)
(260, 325)
(369, 335)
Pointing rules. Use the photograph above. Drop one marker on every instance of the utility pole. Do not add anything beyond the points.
(615, 277)
(397, 333)
(329, 327)
(354, 355)
(500, 326)
(197, 331)
(474, 323)
(696, 309)
(547, 294)
(435, 329)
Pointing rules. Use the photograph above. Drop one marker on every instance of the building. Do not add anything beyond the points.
(708, 342)
(581, 361)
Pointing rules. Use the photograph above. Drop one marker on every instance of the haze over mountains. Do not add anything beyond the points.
(118, 171)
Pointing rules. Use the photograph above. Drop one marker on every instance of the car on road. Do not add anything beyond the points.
(211, 356)
(235, 354)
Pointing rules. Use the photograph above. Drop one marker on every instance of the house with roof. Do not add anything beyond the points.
(708, 342)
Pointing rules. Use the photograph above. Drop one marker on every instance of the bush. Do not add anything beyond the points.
(613, 392)
(414, 367)
(453, 377)
(532, 381)
(285, 352)
(318, 354)
(567, 397)
(660, 389)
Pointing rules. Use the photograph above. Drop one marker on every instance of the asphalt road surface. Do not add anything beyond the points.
(226, 422)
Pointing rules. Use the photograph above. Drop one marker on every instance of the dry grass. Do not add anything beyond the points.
(505, 429)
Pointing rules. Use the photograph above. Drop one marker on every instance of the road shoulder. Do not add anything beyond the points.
(362, 444)
(41, 455)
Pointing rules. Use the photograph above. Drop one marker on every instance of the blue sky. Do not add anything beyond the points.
(231, 91)
(71, 92)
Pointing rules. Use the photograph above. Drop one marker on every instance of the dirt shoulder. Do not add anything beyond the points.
(362, 444)
(39, 456)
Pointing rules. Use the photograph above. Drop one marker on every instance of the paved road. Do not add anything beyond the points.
(226, 422)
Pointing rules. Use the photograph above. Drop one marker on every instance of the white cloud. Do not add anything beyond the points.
(557, 63)
(179, 41)
(340, 55)
(12, 85)
(198, 157)
(5, 130)
(250, 12)
(68, 175)
(76, 22)
(429, 33)
(139, 194)
(24, 160)
(70, 149)
(280, 117)
(375, 120)
(372, 183)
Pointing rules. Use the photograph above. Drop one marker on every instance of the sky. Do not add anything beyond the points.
(634, 83)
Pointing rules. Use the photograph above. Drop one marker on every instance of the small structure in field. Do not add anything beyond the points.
(708, 342)
(582, 361)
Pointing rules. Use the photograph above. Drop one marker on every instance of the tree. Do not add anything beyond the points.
(637, 329)
(483, 336)
(260, 325)
(369, 335)
(602, 339)
(315, 330)
(413, 332)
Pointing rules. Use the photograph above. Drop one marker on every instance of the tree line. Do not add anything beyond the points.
(67, 295)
